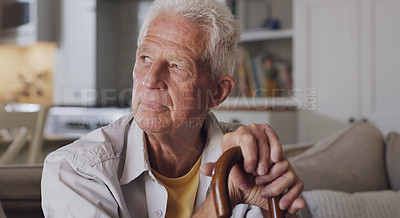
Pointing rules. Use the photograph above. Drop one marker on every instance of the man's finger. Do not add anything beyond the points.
(274, 172)
(229, 140)
(296, 205)
(274, 143)
(239, 178)
(279, 185)
(263, 148)
(248, 144)
(290, 196)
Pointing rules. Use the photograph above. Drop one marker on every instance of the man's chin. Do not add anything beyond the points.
(152, 125)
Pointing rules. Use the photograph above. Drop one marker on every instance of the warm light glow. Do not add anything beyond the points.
(26, 73)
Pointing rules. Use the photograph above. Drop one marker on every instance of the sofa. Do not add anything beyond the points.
(353, 173)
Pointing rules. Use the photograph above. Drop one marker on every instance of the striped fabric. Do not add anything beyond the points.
(328, 203)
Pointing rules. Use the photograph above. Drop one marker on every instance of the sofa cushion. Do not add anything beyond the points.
(351, 160)
(393, 160)
(328, 203)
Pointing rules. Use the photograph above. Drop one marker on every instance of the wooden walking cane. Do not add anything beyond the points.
(219, 185)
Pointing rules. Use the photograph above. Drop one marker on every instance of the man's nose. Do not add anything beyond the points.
(155, 77)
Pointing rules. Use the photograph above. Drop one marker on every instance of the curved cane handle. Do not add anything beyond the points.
(219, 185)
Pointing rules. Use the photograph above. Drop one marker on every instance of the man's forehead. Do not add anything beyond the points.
(176, 30)
(152, 42)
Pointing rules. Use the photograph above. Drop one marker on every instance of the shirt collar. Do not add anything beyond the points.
(212, 148)
(137, 161)
(212, 151)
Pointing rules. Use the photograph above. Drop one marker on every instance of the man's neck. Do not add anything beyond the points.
(174, 156)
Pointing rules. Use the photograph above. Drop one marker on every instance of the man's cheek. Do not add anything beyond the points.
(185, 99)
(136, 94)
(137, 85)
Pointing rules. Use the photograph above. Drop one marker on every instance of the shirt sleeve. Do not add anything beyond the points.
(65, 193)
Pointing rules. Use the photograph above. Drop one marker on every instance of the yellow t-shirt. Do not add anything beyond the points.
(181, 192)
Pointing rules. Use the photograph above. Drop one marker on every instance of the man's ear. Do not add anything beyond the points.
(224, 87)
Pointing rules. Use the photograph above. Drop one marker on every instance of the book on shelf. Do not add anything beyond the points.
(261, 75)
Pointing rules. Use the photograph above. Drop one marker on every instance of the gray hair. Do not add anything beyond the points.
(216, 18)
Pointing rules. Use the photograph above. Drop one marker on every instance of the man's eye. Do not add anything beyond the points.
(146, 59)
(176, 66)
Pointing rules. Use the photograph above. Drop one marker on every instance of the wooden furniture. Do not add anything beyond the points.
(28, 120)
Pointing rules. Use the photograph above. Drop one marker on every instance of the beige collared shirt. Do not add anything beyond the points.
(107, 174)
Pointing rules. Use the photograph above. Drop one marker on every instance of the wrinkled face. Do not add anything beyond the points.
(170, 80)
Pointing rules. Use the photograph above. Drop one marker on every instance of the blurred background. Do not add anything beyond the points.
(306, 67)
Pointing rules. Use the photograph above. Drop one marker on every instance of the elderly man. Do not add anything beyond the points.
(148, 164)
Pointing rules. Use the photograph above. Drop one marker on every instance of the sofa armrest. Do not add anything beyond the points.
(290, 150)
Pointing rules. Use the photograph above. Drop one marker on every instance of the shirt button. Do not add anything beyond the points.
(159, 213)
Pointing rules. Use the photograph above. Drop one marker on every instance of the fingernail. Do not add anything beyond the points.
(261, 170)
(285, 205)
(249, 169)
(265, 194)
(277, 157)
(243, 186)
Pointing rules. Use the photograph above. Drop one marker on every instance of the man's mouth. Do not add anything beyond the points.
(154, 106)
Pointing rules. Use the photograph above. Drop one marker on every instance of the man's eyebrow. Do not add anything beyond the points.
(144, 49)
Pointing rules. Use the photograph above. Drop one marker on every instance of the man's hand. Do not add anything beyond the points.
(259, 144)
(264, 173)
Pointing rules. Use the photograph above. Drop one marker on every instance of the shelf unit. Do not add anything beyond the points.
(276, 42)
(265, 34)
(259, 104)
(260, 42)
(279, 112)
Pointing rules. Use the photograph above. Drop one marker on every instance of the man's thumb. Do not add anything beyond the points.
(207, 168)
